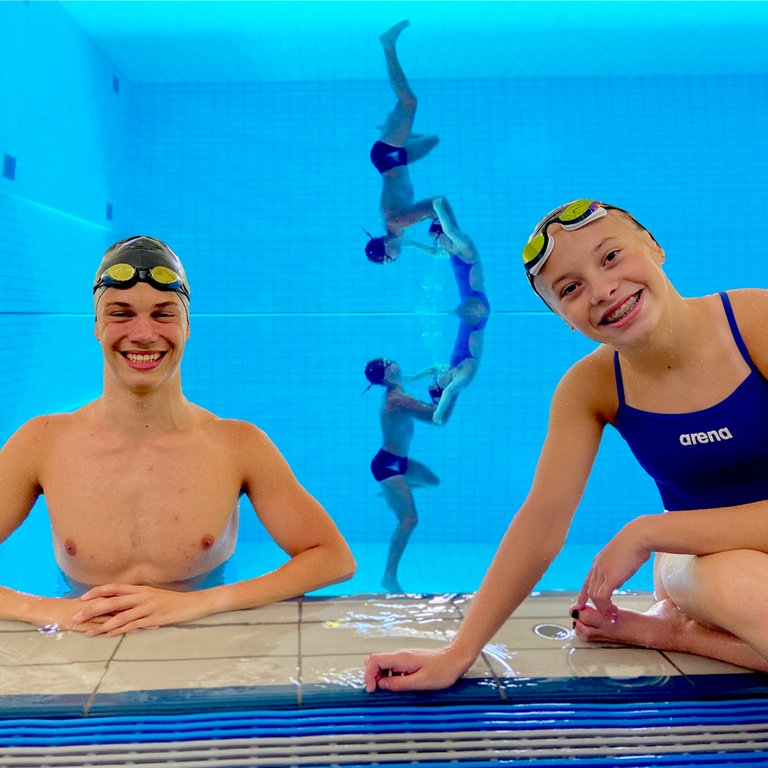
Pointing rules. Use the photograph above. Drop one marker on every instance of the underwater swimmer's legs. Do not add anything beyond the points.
(399, 495)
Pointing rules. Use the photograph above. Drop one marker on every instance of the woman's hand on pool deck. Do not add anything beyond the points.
(123, 608)
(412, 670)
(613, 565)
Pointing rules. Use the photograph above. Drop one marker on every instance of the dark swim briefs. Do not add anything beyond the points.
(386, 464)
(385, 157)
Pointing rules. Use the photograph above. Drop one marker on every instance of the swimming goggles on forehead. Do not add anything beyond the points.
(575, 215)
(126, 276)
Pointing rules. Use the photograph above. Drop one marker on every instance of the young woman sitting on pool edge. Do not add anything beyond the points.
(667, 368)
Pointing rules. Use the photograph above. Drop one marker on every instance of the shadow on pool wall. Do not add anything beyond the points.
(263, 188)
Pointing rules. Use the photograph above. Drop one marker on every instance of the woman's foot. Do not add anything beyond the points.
(389, 38)
(663, 626)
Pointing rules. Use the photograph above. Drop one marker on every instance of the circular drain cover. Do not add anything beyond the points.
(551, 631)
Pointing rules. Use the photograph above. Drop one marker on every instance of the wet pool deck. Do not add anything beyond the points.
(310, 653)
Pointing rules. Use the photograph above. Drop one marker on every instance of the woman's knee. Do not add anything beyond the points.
(735, 570)
(724, 588)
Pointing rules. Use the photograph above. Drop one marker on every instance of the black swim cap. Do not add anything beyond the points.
(143, 252)
(376, 250)
(376, 369)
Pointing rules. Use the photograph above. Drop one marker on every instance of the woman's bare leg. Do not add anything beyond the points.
(461, 376)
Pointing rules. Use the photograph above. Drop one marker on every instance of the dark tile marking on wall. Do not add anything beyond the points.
(9, 167)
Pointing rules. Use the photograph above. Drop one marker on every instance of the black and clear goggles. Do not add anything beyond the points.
(126, 276)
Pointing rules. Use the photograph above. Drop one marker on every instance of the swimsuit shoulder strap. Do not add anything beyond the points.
(619, 380)
(735, 329)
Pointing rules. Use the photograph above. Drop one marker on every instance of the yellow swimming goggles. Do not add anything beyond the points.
(574, 215)
(126, 276)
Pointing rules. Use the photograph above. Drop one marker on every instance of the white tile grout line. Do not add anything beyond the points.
(300, 660)
(92, 696)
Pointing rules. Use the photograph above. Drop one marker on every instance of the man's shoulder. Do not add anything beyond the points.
(225, 428)
(247, 445)
(50, 423)
(35, 436)
(399, 401)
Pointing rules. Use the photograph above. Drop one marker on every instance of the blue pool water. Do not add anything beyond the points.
(263, 187)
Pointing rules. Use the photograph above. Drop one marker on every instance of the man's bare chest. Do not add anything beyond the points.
(142, 483)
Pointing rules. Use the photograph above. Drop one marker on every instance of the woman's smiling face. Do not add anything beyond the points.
(603, 277)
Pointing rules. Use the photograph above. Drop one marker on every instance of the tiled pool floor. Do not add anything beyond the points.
(310, 653)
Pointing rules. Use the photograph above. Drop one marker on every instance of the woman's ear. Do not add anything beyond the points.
(656, 247)
(563, 318)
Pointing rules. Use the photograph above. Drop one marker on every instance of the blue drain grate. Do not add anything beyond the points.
(732, 732)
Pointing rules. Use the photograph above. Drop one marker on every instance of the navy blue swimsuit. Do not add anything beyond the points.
(461, 270)
(717, 457)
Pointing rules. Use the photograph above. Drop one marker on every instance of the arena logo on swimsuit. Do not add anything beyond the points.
(713, 436)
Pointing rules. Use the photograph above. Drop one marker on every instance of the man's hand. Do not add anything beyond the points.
(115, 609)
(58, 613)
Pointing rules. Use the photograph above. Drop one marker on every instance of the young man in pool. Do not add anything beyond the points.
(142, 486)
(393, 469)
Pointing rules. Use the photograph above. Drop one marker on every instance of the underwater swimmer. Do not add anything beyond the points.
(473, 309)
(396, 148)
(395, 471)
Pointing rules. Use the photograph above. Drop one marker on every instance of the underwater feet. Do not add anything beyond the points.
(391, 584)
(389, 38)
